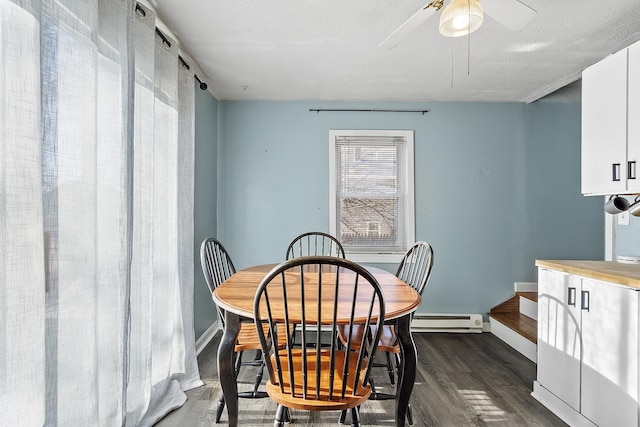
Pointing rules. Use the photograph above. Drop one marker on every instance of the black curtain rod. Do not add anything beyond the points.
(141, 13)
(203, 85)
(318, 110)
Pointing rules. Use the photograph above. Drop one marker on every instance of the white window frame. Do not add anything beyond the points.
(409, 208)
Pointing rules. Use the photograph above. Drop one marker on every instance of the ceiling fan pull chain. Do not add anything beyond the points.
(469, 41)
(469, 38)
(452, 63)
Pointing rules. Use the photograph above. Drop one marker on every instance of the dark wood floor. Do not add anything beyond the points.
(462, 380)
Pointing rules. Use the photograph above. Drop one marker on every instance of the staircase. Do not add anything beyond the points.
(515, 322)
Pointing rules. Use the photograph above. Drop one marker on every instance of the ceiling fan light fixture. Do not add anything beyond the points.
(461, 17)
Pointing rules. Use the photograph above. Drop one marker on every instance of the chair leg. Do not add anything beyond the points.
(259, 363)
(374, 393)
(390, 368)
(409, 415)
(220, 408)
(343, 416)
(355, 417)
(259, 374)
(280, 416)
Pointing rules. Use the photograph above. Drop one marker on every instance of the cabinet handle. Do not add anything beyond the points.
(585, 300)
(631, 169)
(571, 297)
(615, 171)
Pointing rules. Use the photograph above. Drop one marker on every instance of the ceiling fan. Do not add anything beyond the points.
(462, 17)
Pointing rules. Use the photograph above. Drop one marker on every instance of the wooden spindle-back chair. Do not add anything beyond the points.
(217, 267)
(314, 292)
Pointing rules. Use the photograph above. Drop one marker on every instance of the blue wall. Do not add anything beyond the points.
(497, 186)
(205, 217)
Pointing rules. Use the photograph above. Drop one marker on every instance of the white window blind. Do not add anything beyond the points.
(372, 191)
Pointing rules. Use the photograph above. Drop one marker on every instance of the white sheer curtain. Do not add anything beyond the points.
(96, 216)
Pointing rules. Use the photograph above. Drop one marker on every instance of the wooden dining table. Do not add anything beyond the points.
(235, 296)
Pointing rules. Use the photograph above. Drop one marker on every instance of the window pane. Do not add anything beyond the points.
(368, 169)
(366, 222)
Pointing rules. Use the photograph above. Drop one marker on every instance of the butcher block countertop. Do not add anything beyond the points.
(606, 271)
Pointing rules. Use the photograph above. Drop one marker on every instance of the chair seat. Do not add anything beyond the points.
(248, 337)
(313, 402)
(388, 339)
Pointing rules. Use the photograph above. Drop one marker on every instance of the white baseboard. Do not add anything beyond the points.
(525, 286)
(434, 322)
(565, 412)
(486, 327)
(206, 337)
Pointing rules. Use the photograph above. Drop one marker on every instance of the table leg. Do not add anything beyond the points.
(226, 370)
(408, 363)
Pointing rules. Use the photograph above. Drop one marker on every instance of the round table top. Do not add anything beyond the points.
(237, 293)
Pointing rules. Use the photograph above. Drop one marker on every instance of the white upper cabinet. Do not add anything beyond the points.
(610, 135)
(633, 110)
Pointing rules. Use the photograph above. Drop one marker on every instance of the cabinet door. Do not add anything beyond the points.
(604, 125)
(610, 354)
(633, 138)
(559, 343)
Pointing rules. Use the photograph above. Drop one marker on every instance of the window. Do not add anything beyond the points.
(371, 193)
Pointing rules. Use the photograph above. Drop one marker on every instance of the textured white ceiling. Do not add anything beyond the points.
(327, 49)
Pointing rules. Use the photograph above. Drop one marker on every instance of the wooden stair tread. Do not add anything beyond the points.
(513, 303)
(533, 296)
(518, 322)
(510, 305)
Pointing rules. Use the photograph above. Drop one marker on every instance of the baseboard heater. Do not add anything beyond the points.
(464, 323)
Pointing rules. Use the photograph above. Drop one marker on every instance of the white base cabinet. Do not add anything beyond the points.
(559, 343)
(587, 350)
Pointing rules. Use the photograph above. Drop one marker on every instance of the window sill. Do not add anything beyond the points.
(375, 258)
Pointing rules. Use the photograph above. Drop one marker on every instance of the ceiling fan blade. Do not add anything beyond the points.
(409, 26)
(511, 13)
